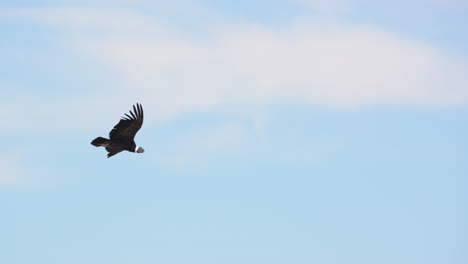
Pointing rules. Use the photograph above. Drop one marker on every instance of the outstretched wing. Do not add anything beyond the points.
(128, 125)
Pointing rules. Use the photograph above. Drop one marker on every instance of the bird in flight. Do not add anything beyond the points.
(122, 135)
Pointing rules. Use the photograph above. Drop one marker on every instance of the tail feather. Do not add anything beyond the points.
(100, 141)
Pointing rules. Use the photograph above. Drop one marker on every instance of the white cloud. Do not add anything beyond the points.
(307, 61)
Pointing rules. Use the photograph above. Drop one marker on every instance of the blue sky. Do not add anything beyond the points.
(300, 131)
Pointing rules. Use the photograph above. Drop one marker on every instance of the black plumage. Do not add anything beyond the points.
(121, 137)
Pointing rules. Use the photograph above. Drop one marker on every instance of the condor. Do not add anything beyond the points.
(122, 135)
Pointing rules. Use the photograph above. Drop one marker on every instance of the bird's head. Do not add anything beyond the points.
(139, 150)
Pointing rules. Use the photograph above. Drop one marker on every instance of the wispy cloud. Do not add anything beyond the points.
(349, 5)
(84, 20)
(11, 171)
(199, 147)
(306, 61)
(324, 6)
